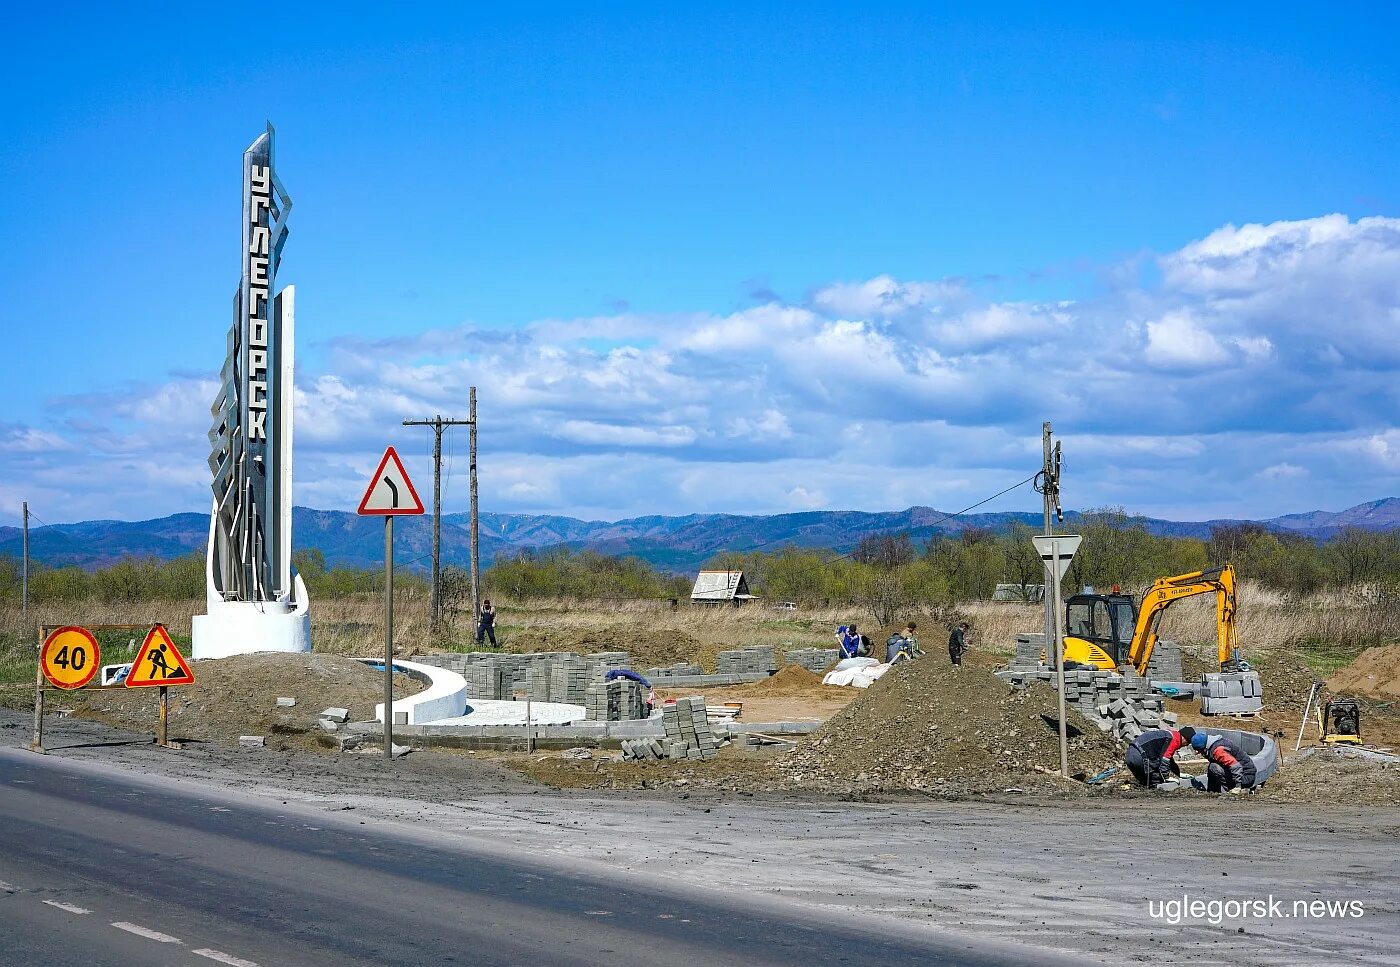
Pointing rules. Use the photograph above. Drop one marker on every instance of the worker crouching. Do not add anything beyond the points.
(1229, 769)
(1151, 757)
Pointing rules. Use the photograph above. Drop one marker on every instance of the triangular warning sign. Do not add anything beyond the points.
(159, 662)
(390, 492)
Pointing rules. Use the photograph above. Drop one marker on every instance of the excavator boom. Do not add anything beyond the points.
(1165, 592)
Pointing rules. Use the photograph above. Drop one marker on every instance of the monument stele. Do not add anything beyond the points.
(256, 600)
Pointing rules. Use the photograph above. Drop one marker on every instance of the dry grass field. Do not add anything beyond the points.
(1327, 630)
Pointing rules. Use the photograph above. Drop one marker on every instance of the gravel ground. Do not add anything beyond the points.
(1074, 877)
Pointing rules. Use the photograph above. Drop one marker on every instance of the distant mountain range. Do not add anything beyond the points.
(672, 543)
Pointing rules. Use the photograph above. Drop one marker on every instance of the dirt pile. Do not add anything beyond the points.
(1375, 673)
(1328, 776)
(790, 680)
(238, 696)
(926, 726)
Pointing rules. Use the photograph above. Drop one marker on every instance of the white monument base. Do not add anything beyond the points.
(244, 627)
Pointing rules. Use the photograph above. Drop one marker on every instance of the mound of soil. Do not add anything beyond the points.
(788, 680)
(926, 726)
(1330, 777)
(1375, 673)
(238, 696)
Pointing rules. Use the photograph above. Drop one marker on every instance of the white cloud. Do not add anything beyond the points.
(1176, 341)
(1261, 368)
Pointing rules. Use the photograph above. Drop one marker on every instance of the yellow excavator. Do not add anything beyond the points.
(1109, 630)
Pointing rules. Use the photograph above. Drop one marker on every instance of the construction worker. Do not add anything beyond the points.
(1151, 757)
(957, 642)
(1230, 769)
(848, 641)
(487, 624)
(902, 643)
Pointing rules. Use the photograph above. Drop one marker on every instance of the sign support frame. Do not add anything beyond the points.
(1060, 657)
(389, 638)
(1048, 546)
(36, 745)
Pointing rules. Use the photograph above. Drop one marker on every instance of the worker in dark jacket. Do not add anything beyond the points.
(1230, 768)
(487, 624)
(957, 642)
(1151, 756)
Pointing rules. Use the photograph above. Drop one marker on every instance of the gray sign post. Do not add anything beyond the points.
(1056, 551)
(390, 494)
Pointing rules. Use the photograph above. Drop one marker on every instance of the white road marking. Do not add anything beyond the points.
(66, 906)
(223, 958)
(148, 934)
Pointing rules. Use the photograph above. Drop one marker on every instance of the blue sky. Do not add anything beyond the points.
(736, 259)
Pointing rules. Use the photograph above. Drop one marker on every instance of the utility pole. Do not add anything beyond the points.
(1047, 505)
(471, 473)
(1049, 486)
(438, 423)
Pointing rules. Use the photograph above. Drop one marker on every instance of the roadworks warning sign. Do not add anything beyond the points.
(159, 662)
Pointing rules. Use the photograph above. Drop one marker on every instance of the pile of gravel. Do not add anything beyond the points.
(928, 727)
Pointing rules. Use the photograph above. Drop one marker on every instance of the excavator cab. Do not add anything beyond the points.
(1099, 630)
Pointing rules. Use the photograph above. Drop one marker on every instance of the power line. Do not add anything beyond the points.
(943, 519)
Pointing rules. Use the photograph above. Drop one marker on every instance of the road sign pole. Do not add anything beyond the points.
(389, 639)
(164, 740)
(1060, 656)
(38, 744)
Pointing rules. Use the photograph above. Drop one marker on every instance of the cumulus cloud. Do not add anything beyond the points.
(1257, 376)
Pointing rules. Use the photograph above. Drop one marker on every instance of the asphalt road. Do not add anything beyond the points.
(97, 869)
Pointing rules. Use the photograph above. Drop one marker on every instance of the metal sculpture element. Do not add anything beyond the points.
(256, 601)
(251, 438)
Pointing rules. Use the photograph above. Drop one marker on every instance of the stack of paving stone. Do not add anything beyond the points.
(1231, 693)
(746, 661)
(667, 748)
(607, 660)
(672, 671)
(620, 700)
(1029, 648)
(813, 659)
(569, 680)
(1165, 663)
(487, 680)
(539, 681)
(688, 730)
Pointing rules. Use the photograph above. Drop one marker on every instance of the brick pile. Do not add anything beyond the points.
(813, 659)
(1121, 703)
(746, 661)
(620, 700)
(689, 735)
(569, 679)
(670, 671)
(548, 676)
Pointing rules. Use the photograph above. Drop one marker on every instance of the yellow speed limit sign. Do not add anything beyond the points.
(70, 657)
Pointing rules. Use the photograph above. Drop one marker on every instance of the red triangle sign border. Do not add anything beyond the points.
(417, 506)
(159, 635)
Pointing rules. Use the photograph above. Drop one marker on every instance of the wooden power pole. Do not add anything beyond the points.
(439, 423)
(476, 560)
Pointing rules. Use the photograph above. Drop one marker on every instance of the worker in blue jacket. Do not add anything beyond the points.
(848, 640)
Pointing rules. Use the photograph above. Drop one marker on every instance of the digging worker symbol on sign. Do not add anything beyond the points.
(159, 664)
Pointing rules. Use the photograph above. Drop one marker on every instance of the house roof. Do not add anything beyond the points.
(720, 586)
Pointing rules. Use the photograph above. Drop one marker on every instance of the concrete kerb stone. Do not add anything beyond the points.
(445, 696)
